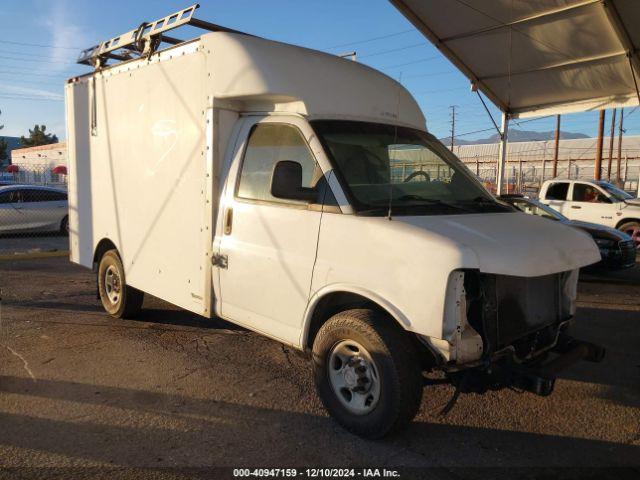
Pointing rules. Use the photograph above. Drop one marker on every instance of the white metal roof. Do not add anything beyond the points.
(286, 77)
(536, 57)
(577, 148)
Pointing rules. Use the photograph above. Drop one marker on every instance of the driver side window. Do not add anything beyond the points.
(583, 192)
(268, 144)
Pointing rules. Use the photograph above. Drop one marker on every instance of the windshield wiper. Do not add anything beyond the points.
(431, 201)
(483, 201)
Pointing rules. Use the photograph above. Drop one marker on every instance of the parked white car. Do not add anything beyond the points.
(31, 208)
(594, 201)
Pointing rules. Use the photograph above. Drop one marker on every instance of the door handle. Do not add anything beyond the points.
(576, 206)
(228, 220)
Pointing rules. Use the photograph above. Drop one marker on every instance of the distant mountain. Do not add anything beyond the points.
(516, 135)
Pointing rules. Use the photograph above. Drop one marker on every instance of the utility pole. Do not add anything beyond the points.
(555, 152)
(611, 135)
(620, 132)
(502, 152)
(597, 174)
(453, 124)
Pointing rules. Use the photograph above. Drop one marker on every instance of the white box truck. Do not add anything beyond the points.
(300, 195)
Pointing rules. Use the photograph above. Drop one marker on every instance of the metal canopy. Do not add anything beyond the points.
(538, 57)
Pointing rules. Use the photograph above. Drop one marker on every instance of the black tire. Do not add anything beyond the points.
(396, 362)
(64, 226)
(628, 227)
(128, 300)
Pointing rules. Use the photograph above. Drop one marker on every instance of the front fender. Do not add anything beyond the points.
(370, 295)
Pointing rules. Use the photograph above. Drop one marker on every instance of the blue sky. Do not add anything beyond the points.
(32, 77)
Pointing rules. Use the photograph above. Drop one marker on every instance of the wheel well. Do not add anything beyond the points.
(627, 220)
(103, 246)
(337, 302)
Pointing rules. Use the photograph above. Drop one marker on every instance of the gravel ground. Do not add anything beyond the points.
(173, 395)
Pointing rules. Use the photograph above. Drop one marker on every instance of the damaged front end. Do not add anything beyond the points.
(510, 332)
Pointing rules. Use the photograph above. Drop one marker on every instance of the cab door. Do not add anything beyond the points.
(267, 246)
(590, 204)
(557, 197)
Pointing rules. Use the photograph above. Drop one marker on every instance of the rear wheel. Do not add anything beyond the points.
(118, 299)
(367, 373)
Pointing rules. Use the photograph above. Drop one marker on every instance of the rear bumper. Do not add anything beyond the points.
(536, 376)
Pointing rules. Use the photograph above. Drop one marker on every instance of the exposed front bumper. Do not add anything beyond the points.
(537, 375)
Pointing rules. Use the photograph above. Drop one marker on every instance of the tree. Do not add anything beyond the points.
(38, 136)
(3, 150)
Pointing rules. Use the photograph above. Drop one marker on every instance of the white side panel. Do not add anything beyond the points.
(143, 182)
(79, 169)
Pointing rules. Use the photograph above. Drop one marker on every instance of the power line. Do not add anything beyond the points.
(476, 131)
(432, 74)
(37, 60)
(427, 59)
(441, 90)
(372, 39)
(37, 45)
(26, 97)
(384, 52)
(12, 52)
(21, 73)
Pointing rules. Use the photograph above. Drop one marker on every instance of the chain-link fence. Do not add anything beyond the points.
(526, 174)
(33, 209)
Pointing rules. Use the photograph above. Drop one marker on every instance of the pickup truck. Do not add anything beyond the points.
(594, 201)
(300, 195)
(617, 249)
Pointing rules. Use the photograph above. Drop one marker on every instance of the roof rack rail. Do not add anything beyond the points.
(145, 39)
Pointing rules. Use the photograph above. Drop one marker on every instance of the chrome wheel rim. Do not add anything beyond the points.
(112, 284)
(354, 377)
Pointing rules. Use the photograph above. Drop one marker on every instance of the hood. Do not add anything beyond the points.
(514, 243)
(599, 231)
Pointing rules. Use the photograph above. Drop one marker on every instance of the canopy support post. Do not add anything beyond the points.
(502, 155)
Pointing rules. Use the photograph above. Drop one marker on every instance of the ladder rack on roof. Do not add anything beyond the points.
(145, 39)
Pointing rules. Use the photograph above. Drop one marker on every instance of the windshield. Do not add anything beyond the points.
(409, 171)
(615, 192)
(536, 208)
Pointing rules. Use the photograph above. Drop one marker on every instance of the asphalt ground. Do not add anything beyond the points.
(29, 243)
(172, 395)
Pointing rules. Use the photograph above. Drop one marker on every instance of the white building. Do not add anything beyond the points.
(533, 161)
(44, 164)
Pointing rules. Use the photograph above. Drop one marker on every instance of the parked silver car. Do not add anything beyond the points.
(31, 208)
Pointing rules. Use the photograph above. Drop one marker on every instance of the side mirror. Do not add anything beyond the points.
(286, 182)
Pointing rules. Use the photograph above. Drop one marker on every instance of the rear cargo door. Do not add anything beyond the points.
(268, 245)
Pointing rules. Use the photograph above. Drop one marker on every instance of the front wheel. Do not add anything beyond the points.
(118, 299)
(633, 230)
(367, 373)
